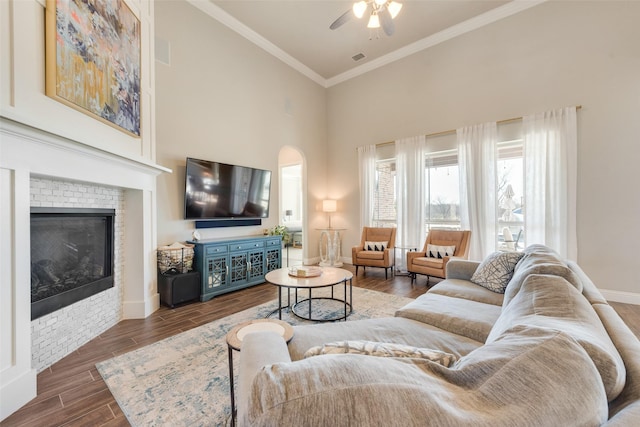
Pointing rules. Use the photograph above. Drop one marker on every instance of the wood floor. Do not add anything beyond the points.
(72, 392)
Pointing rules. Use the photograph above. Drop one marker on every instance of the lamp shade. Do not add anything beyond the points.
(329, 206)
(374, 21)
(288, 212)
(394, 8)
(359, 8)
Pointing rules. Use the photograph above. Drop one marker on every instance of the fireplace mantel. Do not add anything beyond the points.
(27, 152)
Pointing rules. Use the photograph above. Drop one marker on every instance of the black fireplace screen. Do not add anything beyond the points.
(71, 256)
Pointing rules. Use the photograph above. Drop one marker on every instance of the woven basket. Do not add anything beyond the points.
(178, 260)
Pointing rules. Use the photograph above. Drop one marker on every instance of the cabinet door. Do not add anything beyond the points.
(238, 268)
(273, 259)
(216, 273)
(256, 265)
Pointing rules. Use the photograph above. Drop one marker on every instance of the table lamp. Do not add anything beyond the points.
(329, 206)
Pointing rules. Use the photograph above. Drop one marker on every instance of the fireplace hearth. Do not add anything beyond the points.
(71, 256)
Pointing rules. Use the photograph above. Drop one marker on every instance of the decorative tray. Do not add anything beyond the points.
(305, 271)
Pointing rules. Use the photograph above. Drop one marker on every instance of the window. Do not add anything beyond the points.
(443, 194)
(384, 211)
(510, 195)
(443, 190)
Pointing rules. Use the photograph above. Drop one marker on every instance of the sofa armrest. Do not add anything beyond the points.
(461, 268)
(258, 349)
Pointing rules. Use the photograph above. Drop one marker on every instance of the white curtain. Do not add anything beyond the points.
(367, 169)
(477, 154)
(410, 195)
(550, 162)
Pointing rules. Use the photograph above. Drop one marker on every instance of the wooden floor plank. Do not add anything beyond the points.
(72, 393)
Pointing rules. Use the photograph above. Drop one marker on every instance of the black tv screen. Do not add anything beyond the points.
(216, 190)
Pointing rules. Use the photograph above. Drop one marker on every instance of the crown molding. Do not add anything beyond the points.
(224, 18)
(511, 8)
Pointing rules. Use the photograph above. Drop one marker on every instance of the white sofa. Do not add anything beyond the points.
(549, 351)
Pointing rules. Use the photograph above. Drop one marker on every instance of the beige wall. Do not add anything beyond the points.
(553, 55)
(222, 98)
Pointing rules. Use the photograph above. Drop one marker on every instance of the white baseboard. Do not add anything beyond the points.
(140, 309)
(17, 393)
(621, 296)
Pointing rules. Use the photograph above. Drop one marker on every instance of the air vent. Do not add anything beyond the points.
(358, 57)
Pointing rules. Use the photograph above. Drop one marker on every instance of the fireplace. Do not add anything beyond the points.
(72, 256)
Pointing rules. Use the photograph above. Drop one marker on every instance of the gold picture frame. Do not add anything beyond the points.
(93, 60)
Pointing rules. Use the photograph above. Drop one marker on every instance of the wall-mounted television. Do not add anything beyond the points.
(215, 190)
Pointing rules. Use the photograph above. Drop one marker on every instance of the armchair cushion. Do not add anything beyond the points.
(370, 255)
(375, 246)
(426, 261)
(437, 251)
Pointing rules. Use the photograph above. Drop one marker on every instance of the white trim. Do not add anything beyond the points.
(17, 393)
(474, 23)
(63, 145)
(621, 296)
(224, 18)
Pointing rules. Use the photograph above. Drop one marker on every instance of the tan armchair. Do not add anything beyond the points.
(422, 263)
(362, 256)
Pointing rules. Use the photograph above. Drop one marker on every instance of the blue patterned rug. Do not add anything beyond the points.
(184, 380)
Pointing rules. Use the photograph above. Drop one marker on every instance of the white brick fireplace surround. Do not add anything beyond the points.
(41, 169)
(57, 334)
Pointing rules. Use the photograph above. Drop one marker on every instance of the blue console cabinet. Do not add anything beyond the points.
(229, 264)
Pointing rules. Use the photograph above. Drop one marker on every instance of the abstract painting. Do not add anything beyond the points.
(93, 59)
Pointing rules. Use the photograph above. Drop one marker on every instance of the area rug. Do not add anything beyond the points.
(184, 380)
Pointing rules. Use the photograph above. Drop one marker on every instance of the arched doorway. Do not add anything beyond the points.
(292, 198)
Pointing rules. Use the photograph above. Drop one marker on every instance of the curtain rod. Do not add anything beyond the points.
(447, 132)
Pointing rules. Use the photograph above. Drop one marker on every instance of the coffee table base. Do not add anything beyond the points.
(347, 309)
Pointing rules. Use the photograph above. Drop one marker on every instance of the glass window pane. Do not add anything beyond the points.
(384, 213)
(510, 195)
(444, 195)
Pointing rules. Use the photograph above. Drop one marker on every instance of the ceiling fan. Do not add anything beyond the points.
(382, 13)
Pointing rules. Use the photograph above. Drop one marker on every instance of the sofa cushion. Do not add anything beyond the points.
(548, 301)
(528, 377)
(382, 349)
(468, 318)
(464, 289)
(589, 289)
(439, 251)
(539, 259)
(495, 272)
(375, 246)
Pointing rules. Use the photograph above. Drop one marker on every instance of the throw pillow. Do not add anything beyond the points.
(372, 348)
(375, 246)
(495, 272)
(436, 251)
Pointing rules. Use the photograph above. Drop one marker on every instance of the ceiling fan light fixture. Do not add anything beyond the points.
(374, 21)
(394, 8)
(380, 2)
(359, 8)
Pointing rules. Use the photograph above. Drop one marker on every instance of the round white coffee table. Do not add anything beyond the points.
(330, 277)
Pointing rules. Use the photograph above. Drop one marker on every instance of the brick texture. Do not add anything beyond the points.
(60, 333)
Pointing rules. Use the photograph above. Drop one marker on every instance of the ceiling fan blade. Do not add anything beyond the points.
(341, 20)
(387, 22)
